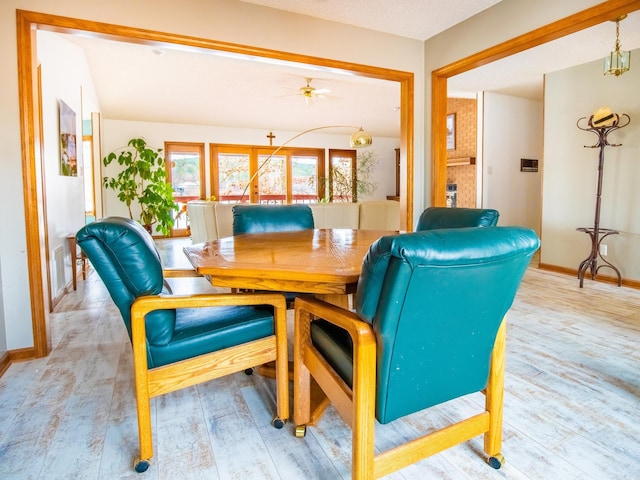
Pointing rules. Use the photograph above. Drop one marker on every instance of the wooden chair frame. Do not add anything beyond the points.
(357, 406)
(168, 378)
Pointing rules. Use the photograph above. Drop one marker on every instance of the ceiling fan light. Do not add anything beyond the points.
(360, 139)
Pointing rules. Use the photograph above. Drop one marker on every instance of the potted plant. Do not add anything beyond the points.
(143, 182)
(347, 187)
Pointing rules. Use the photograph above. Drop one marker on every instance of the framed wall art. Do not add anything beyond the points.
(451, 131)
(68, 144)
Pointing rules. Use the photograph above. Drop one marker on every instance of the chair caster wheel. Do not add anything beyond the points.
(496, 461)
(141, 466)
(248, 371)
(301, 431)
(278, 423)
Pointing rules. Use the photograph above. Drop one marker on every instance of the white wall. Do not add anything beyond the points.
(570, 172)
(238, 22)
(116, 134)
(3, 332)
(497, 24)
(66, 77)
(512, 130)
(224, 20)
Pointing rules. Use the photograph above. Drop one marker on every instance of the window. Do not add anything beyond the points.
(342, 176)
(185, 171)
(307, 178)
(87, 173)
(245, 173)
(231, 173)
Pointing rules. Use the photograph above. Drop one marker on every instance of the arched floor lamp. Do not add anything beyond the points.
(358, 139)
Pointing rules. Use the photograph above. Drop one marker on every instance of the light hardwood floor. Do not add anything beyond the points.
(572, 402)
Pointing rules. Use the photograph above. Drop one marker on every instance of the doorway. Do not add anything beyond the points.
(28, 22)
(590, 17)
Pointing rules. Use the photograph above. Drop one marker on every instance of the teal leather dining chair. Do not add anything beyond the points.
(428, 327)
(271, 218)
(179, 341)
(443, 217)
(250, 219)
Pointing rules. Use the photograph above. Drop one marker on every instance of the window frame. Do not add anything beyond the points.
(253, 152)
(185, 147)
(352, 155)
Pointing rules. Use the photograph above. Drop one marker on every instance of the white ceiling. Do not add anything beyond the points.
(417, 19)
(136, 82)
(522, 74)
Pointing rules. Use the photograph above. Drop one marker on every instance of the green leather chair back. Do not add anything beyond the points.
(435, 300)
(442, 217)
(271, 218)
(125, 257)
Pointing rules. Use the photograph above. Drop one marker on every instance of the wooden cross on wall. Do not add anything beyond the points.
(271, 136)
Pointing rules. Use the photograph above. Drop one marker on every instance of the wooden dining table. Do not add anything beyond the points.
(324, 262)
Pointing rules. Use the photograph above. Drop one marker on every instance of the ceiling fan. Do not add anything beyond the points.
(309, 93)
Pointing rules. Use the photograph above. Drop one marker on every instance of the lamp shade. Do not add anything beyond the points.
(360, 139)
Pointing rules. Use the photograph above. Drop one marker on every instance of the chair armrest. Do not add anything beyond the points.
(359, 330)
(143, 305)
(146, 304)
(308, 361)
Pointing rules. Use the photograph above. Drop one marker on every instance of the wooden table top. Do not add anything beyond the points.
(321, 261)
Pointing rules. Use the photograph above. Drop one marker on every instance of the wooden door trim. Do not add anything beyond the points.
(590, 17)
(27, 23)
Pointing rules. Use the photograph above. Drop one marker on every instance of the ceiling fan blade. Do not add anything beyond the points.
(320, 91)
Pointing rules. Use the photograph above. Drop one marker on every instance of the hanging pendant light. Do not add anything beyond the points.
(360, 139)
(618, 61)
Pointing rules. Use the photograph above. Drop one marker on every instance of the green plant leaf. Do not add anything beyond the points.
(142, 181)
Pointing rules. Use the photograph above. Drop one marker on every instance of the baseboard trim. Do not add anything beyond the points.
(22, 354)
(600, 278)
(18, 355)
(5, 362)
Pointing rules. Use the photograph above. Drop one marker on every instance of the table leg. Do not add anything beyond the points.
(319, 401)
(340, 300)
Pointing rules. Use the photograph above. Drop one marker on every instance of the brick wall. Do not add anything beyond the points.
(463, 175)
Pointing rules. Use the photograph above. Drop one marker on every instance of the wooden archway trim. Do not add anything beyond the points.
(27, 25)
(590, 17)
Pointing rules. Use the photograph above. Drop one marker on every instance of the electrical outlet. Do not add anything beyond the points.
(603, 250)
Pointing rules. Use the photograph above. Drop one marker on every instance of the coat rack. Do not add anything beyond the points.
(609, 122)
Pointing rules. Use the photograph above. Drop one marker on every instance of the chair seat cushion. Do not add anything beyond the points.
(204, 330)
(336, 346)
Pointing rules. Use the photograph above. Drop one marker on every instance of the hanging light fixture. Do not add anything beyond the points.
(618, 61)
